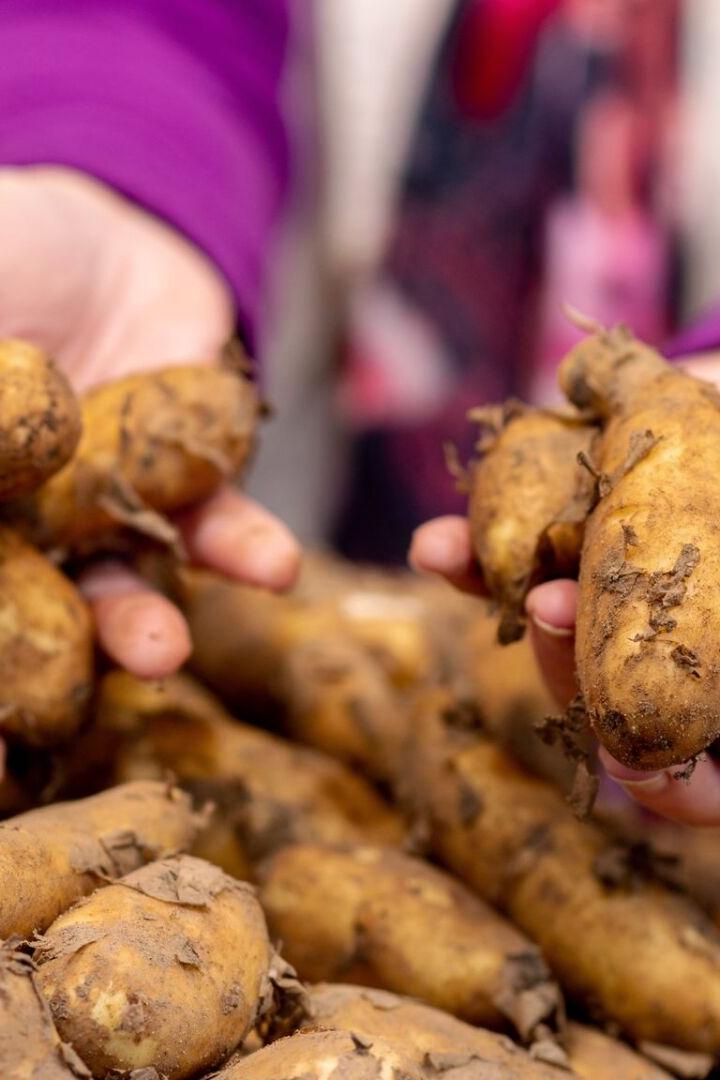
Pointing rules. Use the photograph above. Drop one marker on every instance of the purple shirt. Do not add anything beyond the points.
(172, 102)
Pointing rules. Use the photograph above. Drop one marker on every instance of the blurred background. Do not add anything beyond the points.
(466, 168)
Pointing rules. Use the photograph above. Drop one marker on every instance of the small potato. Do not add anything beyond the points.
(151, 443)
(167, 968)
(386, 919)
(529, 497)
(327, 1055)
(273, 791)
(30, 1047)
(595, 1056)
(52, 856)
(40, 420)
(46, 647)
(635, 951)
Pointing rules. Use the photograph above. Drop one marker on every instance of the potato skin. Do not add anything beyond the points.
(648, 622)
(159, 440)
(168, 968)
(633, 950)
(386, 919)
(40, 420)
(321, 1055)
(274, 791)
(521, 541)
(595, 1056)
(46, 647)
(52, 856)
(30, 1047)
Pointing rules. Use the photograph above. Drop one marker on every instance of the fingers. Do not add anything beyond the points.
(442, 546)
(138, 628)
(551, 618)
(234, 535)
(695, 801)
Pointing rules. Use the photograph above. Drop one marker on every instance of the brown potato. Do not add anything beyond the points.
(40, 424)
(168, 968)
(529, 497)
(428, 1033)
(322, 1055)
(273, 791)
(633, 950)
(52, 856)
(30, 1047)
(151, 443)
(46, 647)
(386, 919)
(648, 637)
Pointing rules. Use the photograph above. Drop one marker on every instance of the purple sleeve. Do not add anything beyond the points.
(700, 336)
(172, 102)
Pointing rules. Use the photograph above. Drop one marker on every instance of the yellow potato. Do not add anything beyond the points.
(30, 1047)
(168, 968)
(40, 421)
(151, 443)
(272, 791)
(635, 951)
(46, 647)
(52, 856)
(529, 497)
(595, 1056)
(386, 919)
(648, 636)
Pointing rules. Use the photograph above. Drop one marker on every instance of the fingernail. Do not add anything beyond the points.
(651, 785)
(551, 631)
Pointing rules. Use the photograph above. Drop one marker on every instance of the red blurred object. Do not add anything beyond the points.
(495, 45)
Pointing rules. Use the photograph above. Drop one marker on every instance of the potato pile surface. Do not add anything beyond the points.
(334, 847)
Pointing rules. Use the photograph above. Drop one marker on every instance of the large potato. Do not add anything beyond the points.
(152, 442)
(46, 647)
(168, 968)
(633, 950)
(648, 629)
(30, 1047)
(529, 497)
(274, 792)
(52, 856)
(386, 919)
(40, 418)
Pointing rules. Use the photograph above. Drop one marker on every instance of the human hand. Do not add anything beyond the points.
(107, 290)
(443, 547)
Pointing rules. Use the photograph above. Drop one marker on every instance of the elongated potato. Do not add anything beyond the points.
(30, 1047)
(386, 919)
(326, 1055)
(40, 421)
(633, 950)
(151, 443)
(529, 497)
(429, 1034)
(274, 792)
(648, 639)
(168, 968)
(46, 647)
(52, 856)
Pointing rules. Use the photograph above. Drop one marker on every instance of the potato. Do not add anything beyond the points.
(648, 643)
(633, 950)
(428, 1033)
(46, 647)
(386, 919)
(152, 443)
(338, 699)
(40, 421)
(529, 497)
(327, 1055)
(30, 1047)
(273, 791)
(52, 856)
(170, 968)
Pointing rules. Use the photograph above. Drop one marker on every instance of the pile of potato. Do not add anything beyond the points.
(331, 849)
